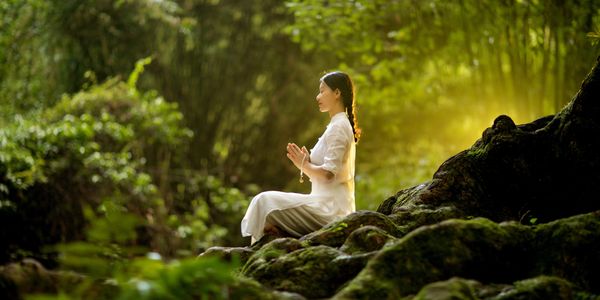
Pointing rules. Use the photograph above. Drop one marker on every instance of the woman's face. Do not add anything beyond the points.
(327, 98)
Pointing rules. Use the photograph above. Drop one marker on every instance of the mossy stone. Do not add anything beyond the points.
(433, 253)
(268, 252)
(452, 289)
(335, 233)
(365, 239)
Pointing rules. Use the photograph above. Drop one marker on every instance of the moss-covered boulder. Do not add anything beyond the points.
(455, 288)
(538, 288)
(28, 276)
(522, 172)
(335, 233)
(271, 251)
(247, 288)
(365, 239)
(229, 253)
(486, 251)
(314, 272)
(411, 217)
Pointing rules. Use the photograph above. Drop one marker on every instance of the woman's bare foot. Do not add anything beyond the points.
(272, 230)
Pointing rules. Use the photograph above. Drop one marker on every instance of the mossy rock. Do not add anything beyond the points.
(335, 233)
(365, 239)
(314, 272)
(483, 250)
(271, 251)
(28, 276)
(248, 288)
(537, 288)
(522, 172)
(541, 288)
(402, 200)
(241, 254)
(412, 217)
(436, 252)
(569, 248)
(452, 289)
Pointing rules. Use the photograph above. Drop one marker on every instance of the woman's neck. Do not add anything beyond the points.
(335, 110)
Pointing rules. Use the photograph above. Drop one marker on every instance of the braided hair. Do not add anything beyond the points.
(340, 80)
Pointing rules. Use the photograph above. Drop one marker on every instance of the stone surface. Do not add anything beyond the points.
(229, 253)
(335, 233)
(365, 239)
(539, 288)
(314, 272)
(486, 251)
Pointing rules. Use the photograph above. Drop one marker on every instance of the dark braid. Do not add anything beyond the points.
(341, 81)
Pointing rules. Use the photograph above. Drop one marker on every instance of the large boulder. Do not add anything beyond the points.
(541, 171)
(486, 251)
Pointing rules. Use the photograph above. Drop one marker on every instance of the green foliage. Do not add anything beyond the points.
(227, 80)
(205, 278)
(106, 157)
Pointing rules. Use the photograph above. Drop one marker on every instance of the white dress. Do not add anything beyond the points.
(299, 214)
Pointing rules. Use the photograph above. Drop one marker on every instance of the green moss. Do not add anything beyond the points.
(365, 239)
(566, 248)
(269, 252)
(247, 288)
(569, 248)
(476, 152)
(543, 287)
(419, 216)
(336, 232)
(308, 271)
(455, 289)
(432, 253)
(339, 227)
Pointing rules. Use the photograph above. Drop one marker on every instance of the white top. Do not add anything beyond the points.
(335, 151)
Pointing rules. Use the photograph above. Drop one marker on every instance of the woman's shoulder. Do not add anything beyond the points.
(340, 126)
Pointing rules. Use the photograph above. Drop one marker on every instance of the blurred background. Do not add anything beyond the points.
(138, 123)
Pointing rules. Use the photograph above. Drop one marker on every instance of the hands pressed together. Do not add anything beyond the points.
(295, 154)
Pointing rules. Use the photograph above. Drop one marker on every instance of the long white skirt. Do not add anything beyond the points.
(298, 214)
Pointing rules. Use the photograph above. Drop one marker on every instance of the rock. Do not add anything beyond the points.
(541, 287)
(412, 217)
(29, 276)
(454, 288)
(228, 253)
(269, 252)
(568, 248)
(523, 172)
(335, 233)
(365, 239)
(314, 272)
(483, 250)
(247, 288)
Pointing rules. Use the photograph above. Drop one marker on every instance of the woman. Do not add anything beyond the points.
(329, 166)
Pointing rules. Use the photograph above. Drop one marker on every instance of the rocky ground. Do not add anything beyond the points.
(516, 216)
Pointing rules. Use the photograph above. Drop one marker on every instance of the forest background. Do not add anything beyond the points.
(153, 123)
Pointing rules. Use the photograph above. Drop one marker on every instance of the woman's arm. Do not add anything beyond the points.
(295, 154)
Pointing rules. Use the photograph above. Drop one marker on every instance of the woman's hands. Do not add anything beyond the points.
(295, 154)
